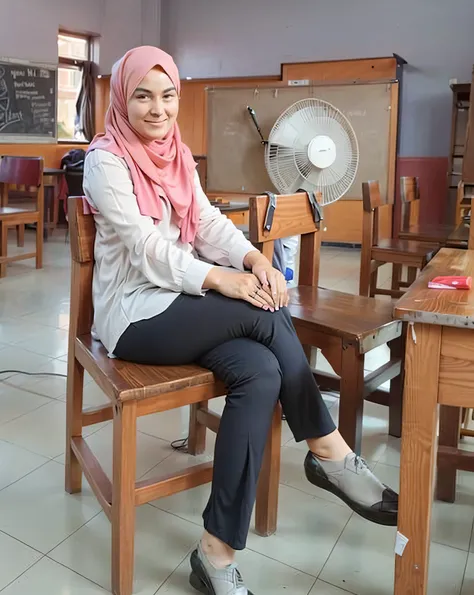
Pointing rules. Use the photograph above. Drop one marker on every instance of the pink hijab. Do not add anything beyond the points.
(158, 168)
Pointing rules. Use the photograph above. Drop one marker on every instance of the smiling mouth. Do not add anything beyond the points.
(153, 122)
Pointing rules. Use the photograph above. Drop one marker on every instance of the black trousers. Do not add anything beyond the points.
(258, 356)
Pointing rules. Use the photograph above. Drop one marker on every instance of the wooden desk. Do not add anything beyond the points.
(237, 212)
(439, 370)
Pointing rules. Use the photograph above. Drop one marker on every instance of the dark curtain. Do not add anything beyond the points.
(85, 103)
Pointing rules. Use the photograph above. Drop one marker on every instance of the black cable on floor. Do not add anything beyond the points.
(181, 444)
(32, 373)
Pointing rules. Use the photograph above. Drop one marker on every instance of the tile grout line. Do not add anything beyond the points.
(191, 549)
(73, 533)
(26, 474)
(333, 548)
(77, 573)
(24, 572)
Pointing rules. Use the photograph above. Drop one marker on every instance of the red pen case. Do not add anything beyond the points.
(450, 283)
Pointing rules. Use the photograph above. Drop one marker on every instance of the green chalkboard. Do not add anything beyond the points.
(28, 98)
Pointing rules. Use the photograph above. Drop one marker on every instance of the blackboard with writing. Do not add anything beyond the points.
(27, 102)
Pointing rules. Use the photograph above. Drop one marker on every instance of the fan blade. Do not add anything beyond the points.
(285, 135)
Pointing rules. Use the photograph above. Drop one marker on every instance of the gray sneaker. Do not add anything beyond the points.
(215, 581)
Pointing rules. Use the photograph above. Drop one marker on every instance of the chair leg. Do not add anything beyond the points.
(397, 351)
(396, 276)
(197, 432)
(20, 235)
(123, 497)
(266, 508)
(364, 277)
(411, 275)
(311, 355)
(39, 242)
(55, 211)
(75, 391)
(449, 426)
(3, 247)
(373, 283)
(351, 399)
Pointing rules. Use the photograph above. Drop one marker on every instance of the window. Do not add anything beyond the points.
(73, 52)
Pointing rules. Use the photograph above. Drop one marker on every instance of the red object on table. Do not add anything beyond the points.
(450, 282)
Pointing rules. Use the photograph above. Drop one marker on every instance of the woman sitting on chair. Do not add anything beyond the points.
(176, 283)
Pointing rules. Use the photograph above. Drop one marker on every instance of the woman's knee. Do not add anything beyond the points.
(260, 370)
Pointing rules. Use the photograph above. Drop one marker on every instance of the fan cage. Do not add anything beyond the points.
(286, 155)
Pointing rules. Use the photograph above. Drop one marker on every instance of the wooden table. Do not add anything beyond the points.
(439, 370)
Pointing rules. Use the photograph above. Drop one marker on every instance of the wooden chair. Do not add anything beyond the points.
(23, 175)
(134, 391)
(376, 251)
(345, 327)
(412, 229)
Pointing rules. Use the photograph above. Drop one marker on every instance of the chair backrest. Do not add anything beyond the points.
(372, 201)
(21, 171)
(410, 197)
(470, 244)
(21, 177)
(82, 237)
(292, 216)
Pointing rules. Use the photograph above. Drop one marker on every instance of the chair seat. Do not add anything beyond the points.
(354, 318)
(125, 381)
(401, 247)
(427, 233)
(13, 211)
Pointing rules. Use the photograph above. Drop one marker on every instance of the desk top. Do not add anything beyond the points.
(444, 307)
(233, 207)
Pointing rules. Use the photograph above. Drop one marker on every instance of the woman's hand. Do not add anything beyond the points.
(273, 282)
(239, 286)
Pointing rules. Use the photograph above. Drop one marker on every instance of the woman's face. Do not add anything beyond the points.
(153, 106)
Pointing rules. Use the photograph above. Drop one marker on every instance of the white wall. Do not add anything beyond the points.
(29, 28)
(151, 22)
(214, 38)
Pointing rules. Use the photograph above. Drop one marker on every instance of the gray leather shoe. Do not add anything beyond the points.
(215, 581)
(354, 483)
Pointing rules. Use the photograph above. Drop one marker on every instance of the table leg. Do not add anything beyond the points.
(48, 208)
(449, 430)
(420, 416)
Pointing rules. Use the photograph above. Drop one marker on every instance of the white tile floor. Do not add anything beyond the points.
(52, 543)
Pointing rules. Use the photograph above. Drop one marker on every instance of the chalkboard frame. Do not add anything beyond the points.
(26, 138)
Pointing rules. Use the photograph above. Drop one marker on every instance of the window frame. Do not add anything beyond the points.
(67, 63)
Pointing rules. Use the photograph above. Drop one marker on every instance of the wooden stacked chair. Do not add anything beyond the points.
(377, 251)
(411, 228)
(136, 390)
